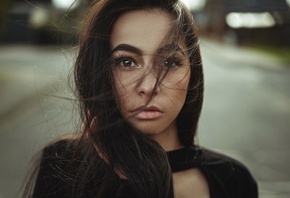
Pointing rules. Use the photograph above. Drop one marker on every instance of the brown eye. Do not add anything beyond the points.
(127, 63)
(124, 62)
(172, 62)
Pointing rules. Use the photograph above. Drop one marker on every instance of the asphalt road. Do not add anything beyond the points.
(246, 111)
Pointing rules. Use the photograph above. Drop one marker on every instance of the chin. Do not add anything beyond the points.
(149, 130)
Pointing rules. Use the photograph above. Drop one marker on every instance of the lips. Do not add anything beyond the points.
(147, 113)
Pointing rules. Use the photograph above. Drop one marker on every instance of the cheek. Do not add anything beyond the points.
(126, 81)
(178, 80)
(120, 91)
(123, 89)
(178, 87)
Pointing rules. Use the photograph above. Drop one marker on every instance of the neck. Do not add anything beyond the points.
(168, 139)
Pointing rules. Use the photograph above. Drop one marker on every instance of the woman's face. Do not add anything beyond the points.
(139, 59)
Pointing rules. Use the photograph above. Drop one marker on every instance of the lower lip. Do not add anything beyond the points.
(148, 115)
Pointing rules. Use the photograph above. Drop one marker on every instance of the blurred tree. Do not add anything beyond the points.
(4, 8)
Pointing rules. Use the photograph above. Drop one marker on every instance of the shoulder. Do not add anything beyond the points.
(230, 173)
(66, 155)
(215, 158)
(58, 169)
(59, 149)
(58, 154)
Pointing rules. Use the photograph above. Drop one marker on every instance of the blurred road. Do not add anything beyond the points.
(32, 79)
(246, 111)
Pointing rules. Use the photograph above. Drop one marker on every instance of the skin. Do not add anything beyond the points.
(138, 56)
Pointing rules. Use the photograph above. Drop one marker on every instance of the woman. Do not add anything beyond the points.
(139, 81)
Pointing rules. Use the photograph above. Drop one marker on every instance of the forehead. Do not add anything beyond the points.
(145, 29)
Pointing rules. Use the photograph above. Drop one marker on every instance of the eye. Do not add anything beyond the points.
(124, 62)
(172, 62)
(127, 63)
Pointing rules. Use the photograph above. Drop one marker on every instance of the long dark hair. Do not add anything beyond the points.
(140, 159)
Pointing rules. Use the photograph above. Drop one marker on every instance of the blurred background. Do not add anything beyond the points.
(245, 46)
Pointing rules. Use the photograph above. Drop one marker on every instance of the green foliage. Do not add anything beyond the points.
(283, 53)
(4, 8)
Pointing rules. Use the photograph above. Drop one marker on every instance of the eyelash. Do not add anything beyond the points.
(177, 61)
(119, 60)
(173, 61)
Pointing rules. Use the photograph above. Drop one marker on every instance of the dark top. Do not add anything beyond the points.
(226, 177)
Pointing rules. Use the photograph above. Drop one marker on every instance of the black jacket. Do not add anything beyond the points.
(227, 178)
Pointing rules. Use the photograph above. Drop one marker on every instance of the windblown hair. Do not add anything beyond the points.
(139, 158)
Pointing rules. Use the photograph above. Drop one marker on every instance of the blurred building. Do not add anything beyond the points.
(244, 21)
(232, 21)
(42, 21)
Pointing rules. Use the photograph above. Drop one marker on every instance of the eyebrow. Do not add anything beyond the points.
(128, 48)
(164, 49)
(170, 48)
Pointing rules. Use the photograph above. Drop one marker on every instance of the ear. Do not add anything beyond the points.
(88, 129)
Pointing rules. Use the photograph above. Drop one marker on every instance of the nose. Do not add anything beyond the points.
(148, 84)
